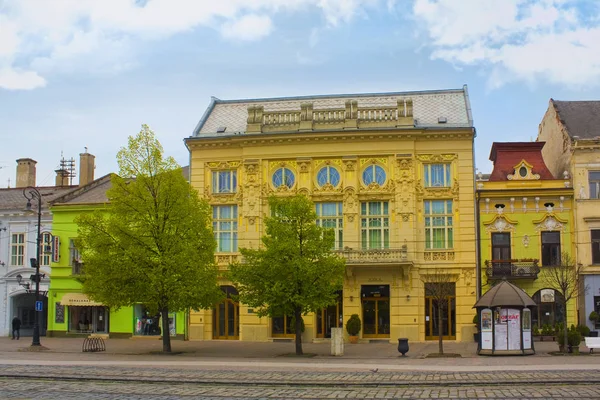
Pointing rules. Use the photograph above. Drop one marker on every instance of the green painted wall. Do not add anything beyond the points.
(62, 280)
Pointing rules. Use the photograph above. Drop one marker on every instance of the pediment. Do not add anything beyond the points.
(500, 223)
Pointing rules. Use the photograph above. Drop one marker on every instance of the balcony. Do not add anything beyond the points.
(512, 269)
(375, 256)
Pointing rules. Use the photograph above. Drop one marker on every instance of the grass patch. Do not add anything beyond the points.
(445, 355)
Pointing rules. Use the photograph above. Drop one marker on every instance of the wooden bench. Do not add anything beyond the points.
(592, 343)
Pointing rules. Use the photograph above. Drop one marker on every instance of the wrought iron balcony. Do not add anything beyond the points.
(375, 256)
(512, 269)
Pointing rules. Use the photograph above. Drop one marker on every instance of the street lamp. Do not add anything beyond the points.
(30, 194)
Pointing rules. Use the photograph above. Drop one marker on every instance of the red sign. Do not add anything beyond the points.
(55, 248)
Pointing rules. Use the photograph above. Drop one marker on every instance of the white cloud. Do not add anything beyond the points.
(515, 40)
(15, 79)
(38, 37)
(248, 28)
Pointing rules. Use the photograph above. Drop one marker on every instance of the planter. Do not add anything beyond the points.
(353, 339)
(403, 346)
(574, 349)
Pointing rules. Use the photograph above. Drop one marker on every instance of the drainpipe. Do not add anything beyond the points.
(478, 241)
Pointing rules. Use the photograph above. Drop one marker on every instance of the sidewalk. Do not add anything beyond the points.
(70, 349)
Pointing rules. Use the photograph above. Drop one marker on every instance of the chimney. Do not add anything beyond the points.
(25, 172)
(86, 168)
(62, 177)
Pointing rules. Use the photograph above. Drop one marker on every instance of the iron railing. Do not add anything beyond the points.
(512, 269)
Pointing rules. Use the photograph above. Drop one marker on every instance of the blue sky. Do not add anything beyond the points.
(87, 73)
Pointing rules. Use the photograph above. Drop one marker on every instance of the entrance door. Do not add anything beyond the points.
(376, 311)
(283, 327)
(226, 316)
(330, 317)
(226, 320)
(432, 320)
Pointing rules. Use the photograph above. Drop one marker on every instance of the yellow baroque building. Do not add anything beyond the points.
(525, 223)
(391, 173)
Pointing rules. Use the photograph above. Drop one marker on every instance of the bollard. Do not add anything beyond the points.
(403, 346)
(337, 342)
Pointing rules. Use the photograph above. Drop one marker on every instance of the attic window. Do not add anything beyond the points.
(442, 120)
(523, 171)
(221, 129)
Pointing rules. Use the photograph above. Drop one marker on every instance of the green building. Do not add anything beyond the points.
(70, 311)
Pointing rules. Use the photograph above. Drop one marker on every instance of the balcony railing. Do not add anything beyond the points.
(512, 269)
(375, 256)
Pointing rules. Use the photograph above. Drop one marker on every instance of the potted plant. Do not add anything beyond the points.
(584, 330)
(574, 338)
(536, 333)
(561, 343)
(353, 326)
(594, 318)
(477, 333)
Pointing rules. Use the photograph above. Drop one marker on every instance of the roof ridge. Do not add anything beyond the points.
(81, 190)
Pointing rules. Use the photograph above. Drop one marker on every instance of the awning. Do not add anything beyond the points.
(78, 299)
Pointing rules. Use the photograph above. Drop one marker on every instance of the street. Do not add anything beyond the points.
(21, 381)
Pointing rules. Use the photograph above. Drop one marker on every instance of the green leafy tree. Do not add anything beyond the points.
(295, 272)
(152, 244)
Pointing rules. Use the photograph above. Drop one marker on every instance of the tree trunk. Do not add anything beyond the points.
(440, 329)
(298, 319)
(166, 336)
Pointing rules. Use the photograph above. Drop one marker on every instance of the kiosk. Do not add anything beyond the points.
(505, 321)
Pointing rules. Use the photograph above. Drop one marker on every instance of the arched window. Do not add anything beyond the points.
(373, 174)
(328, 175)
(550, 308)
(283, 177)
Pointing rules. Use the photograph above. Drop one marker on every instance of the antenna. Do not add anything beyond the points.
(69, 167)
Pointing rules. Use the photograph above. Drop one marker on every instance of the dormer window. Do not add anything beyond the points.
(522, 172)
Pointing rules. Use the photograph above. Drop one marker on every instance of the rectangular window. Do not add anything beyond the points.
(17, 249)
(225, 227)
(439, 233)
(329, 215)
(594, 179)
(550, 248)
(375, 225)
(75, 258)
(501, 246)
(224, 181)
(436, 175)
(595, 246)
(46, 249)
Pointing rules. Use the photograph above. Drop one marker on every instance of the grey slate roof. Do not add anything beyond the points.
(13, 199)
(92, 193)
(428, 106)
(581, 118)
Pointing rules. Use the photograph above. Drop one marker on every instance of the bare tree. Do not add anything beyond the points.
(564, 277)
(440, 286)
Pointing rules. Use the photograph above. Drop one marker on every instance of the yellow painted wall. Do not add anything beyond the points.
(402, 153)
(525, 215)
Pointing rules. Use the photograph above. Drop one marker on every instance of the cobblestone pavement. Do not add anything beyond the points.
(26, 388)
(272, 377)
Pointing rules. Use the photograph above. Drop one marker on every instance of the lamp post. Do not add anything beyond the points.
(30, 194)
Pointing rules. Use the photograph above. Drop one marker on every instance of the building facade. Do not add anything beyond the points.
(18, 236)
(571, 130)
(72, 312)
(391, 174)
(525, 224)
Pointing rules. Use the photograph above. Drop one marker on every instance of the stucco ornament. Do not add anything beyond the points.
(500, 224)
(526, 241)
(582, 193)
(549, 224)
